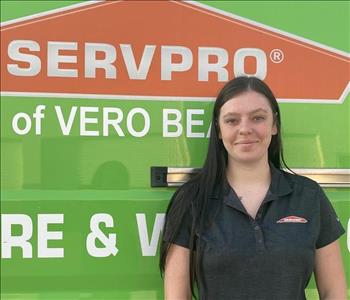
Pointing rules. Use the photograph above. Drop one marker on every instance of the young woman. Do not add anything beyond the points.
(243, 228)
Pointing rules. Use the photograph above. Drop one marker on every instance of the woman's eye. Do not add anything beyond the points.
(231, 121)
(259, 118)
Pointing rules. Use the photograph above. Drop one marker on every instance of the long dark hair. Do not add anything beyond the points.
(195, 195)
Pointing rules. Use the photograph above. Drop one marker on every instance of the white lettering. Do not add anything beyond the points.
(27, 125)
(191, 122)
(54, 59)
(14, 53)
(141, 72)
(204, 67)
(109, 242)
(175, 122)
(147, 122)
(261, 62)
(38, 115)
(44, 235)
(149, 248)
(173, 59)
(168, 66)
(92, 63)
(65, 127)
(84, 120)
(115, 123)
(8, 241)
(208, 132)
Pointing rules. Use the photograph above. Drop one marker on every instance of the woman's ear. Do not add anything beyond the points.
(274, 129)
(274, 125)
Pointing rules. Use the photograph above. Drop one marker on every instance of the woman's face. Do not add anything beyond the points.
(246, 127)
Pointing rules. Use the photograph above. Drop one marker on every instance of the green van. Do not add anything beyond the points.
(105, 109)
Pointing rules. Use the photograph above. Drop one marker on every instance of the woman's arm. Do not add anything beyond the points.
(329, 273)
(177, 274)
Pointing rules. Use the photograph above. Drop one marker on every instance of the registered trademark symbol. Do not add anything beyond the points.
(276, 56)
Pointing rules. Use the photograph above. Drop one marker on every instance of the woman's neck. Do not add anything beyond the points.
(242, 173)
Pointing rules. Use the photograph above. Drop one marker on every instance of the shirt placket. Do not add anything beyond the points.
(257, 223)
(257, 228)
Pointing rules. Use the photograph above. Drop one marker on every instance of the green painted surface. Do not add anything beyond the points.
(82, 176)
(326, 22)
(13, 9)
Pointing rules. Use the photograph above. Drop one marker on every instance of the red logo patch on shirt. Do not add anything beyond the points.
(292, 219)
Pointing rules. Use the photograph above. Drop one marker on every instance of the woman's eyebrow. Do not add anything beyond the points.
(250, 113)
(258, 110)
(230, 114)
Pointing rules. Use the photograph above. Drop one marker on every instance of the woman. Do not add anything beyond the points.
(243, 228)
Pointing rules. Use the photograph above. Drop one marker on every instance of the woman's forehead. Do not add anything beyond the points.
(248, 102)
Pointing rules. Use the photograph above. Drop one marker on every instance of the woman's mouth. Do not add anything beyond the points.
(246, 142)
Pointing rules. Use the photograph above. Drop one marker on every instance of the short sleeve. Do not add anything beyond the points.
(330, 226)
(181, 236)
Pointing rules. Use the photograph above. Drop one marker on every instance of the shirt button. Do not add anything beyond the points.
(260, 241)
(257, 227)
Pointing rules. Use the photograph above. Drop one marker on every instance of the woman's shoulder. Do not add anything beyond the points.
(303, 188)
(185, 194)
(300, 181)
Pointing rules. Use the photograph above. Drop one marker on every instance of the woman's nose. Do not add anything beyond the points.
(245, 127)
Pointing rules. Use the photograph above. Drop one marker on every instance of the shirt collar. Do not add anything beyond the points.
(279, 187)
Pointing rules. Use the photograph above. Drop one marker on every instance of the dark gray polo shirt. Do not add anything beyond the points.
(272, 256)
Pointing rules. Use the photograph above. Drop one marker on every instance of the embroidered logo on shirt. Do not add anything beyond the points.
(292, 219)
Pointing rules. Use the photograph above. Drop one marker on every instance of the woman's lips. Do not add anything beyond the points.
(245, 142)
